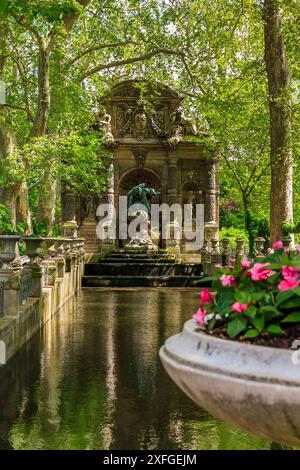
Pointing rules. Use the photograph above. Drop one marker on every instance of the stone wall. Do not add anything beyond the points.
(53, 276)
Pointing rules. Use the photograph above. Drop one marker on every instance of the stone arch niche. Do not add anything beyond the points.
(137, 176)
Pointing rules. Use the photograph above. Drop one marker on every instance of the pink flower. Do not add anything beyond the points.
(277, 245)
(205, 296)
(227, 281)
(259, 272)
(199, 316)
(289, 271)
(239, 308)
(246, 264)
(288, 283)
(297, 248)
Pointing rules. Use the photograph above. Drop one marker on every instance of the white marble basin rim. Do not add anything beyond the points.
(253, 387)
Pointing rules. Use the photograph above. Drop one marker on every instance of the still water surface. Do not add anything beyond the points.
(92, 379)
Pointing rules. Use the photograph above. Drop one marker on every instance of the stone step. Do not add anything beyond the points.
(142, 281)
(138, 256)
(143, 269)
(135, 261)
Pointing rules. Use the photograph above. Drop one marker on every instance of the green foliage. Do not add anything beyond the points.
(3, 6)
(6, 227)
(49, 10)
(233, 233)
(289, 228)
(231, 217)
(257, 300)
(78, 161)
(222, 75)
(22, 227)
(40, 229)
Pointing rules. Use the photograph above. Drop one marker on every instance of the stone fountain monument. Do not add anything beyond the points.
(139, 205)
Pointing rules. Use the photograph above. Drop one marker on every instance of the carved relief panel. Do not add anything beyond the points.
(137, 121)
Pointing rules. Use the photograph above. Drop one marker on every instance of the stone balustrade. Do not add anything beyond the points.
(35, 286)
(215, 253)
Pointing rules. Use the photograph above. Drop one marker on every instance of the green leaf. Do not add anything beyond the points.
(269, 312)
(274, 330)
(225, 300)
(292, 318)
(291, 303)
(3, 6)
(258, 323)
(257, 296)
(211, 323)
(296, 290)
(250, 312)
(253, 333)
(283, 296)
(242, 296)
(236, 326)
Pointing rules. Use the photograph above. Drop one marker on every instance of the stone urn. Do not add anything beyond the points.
(8, 249)
(253, 387)
(33, 247)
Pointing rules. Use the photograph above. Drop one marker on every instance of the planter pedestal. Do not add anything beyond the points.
(254, 387)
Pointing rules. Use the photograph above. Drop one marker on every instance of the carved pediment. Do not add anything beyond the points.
(137, 116)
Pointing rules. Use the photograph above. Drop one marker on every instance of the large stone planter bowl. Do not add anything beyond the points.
(8, 245)
(33, 247)
(254, 387)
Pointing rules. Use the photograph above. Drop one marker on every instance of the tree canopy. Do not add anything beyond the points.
(58, 57)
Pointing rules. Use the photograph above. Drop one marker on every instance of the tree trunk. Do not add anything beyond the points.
(12, 191)
(47, 199)
(279, 80)
(44, 97)
(47, 204)
(23, 212)
(8, 193)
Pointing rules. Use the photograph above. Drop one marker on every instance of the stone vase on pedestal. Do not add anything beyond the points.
(254, 387)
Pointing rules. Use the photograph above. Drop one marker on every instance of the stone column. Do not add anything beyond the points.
(172, 181)
(109, 244)
(211, 192)
(211, 201)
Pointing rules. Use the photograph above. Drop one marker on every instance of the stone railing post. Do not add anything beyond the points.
(12, 290)
(259, 247)
(240, 248)
(34, 251)
(10, 280)
(81, 254)
(49, 262)
(226, 252)
(287, 241)
(70, 229)
(60, 260)
(206, 258)
(216, 257)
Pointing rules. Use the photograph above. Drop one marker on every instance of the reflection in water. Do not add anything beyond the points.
(92, 379)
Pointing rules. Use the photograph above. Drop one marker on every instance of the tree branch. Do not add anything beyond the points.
(22, 21)
(260, 175)
(103, 46)
(130, 60)
(239, 181)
